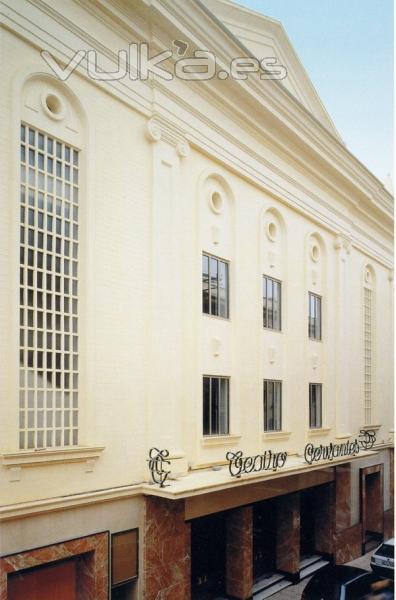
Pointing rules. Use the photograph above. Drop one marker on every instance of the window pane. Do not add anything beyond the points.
(43, 293)
(205, 284)
(277, 406)
(213, 287)
(215, 392)
(269, 304)
(265, 319)
(215, 405)
(223, 410)
(318, 315)
(276, 305)
(206, 406)
(223, 289)
(315, 405)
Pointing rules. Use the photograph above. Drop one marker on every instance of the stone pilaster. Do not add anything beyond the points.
(239, 569)
(167, 551)
(288, 534)
(343, 247)
(165, 332)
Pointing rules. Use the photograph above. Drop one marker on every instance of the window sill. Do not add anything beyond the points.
(368, 427)
(219, 440)
(319, 431)
(276, 435)
(35, 458)
(217, 317)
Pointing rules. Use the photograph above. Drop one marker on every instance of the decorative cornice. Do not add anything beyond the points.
(223, 144)
(342, 242)
(158, 129)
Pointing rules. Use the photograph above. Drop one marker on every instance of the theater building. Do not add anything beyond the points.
(196, 310)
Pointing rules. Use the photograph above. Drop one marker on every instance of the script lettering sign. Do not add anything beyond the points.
(156, 461)
(365, 441)
(242, 465)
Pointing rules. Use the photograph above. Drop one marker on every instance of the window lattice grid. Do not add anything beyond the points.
(48, 349)
(367, 353)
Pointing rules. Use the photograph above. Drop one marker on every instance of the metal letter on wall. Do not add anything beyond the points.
(156, 465)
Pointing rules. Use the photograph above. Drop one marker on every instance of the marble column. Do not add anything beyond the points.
(288, 534)
(347, 537)
(239, 567)
(325, 518)
(343, 496)
(167, 550)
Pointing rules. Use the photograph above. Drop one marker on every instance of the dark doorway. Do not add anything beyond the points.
(371, 506)
(307, 523)
(264, 539)
(208, 557)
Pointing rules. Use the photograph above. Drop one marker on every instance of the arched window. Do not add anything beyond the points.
(48, 270)
(368, 301)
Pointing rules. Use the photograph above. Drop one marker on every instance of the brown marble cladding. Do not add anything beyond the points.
(92, 564)
(288, 534)
(389, 529)
(372, 498)
(239, 569)
(348, 544)
(391, 477)
(167, 550)
(324, 518)
(343, 497)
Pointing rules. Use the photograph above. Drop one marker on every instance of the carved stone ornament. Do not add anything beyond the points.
(157, 129)
(153, 131)
(343, 243)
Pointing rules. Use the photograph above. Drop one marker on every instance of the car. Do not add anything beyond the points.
(383, 559)
(340, 582)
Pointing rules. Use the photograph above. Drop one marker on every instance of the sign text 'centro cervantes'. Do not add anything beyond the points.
(239, 465)
(272, 461)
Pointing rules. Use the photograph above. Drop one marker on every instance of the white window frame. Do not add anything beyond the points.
(49, 278)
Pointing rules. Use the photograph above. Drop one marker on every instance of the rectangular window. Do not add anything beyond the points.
(367, 313)
(216, 405)
(48, 351)
(314, 316)
(124, 557)
(271, 303)
(272, 405)
(214, 286)
(315, 405)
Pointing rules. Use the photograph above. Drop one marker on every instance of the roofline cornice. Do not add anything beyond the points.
(361, 187)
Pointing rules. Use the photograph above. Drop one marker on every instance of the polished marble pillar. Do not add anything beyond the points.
(239, 567)
(288, 534)
(167, 550)
(324, 518)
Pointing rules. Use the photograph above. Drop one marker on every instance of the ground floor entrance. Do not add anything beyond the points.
(208, 557)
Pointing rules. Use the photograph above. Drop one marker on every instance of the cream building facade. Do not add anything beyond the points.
(196, 266)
